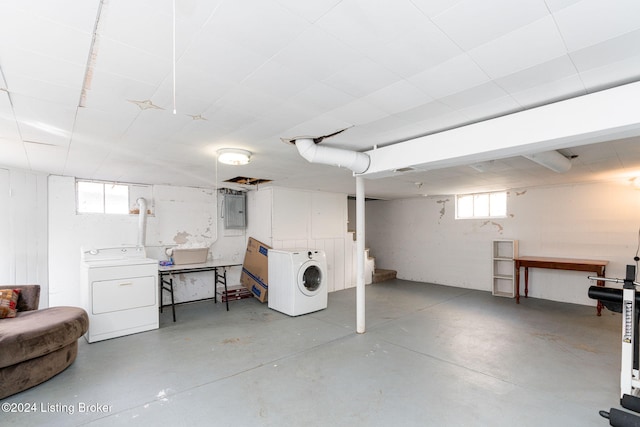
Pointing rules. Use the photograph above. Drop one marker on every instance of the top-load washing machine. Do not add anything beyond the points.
(297, 281)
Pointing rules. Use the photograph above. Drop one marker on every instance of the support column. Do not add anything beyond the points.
(360, 247)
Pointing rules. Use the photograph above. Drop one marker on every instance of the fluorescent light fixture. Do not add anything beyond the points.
(234, 156)
(552, 160)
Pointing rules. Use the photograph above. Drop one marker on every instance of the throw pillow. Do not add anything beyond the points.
(8, 302)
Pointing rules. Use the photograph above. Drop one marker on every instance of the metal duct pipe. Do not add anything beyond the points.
(313, 153)
(358, 163)
(142, 221)
(552, 160)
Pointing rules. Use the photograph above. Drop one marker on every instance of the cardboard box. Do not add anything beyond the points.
(255, 269)
(190, 256)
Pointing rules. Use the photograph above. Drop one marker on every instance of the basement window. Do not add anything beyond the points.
(481, 205)
(110, 198)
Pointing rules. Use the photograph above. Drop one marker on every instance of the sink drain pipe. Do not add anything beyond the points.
(142, 221)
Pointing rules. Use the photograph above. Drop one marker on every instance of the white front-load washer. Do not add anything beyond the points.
(297, 281)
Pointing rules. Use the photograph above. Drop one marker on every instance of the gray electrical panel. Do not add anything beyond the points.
(235, 212)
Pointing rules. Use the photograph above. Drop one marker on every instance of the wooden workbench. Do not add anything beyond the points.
(588, 265)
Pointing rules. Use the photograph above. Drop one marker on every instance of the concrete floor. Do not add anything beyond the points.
(432, 356)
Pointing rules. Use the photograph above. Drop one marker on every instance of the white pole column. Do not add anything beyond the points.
(360, 306)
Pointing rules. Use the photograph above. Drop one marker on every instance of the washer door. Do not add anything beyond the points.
(310, 278)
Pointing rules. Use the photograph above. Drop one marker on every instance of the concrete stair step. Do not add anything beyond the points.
(380, 275)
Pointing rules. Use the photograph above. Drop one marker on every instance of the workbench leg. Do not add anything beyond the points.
(215, 285)
(225, 287)
(173, 303)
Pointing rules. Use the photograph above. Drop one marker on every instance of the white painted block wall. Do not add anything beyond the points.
(182, 215)
(23, 229)
(288, 218)
(421, 239)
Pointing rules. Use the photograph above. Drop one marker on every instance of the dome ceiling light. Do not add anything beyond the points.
(234, 156)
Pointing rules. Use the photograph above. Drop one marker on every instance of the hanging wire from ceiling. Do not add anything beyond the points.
(174, 56)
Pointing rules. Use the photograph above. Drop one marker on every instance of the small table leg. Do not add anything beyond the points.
(168, 288)
(221, 279)
(517, 284)
(526, 282)
(600, 283)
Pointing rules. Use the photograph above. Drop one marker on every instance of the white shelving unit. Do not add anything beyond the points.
(504, 252)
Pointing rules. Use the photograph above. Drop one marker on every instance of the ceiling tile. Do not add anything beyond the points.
(286, 115)
(471, 23)
(110, 92)
(453, 76)
(11, 145)
(433, 8)
(156, 127)
(611, 51)
(249, 101)
(592, 21)
(148, 25)
(47, 91)
(254, 135)
(506, 55)
(62, 42)
(84, 160)
(474, 96)
(130, 62)
(398, 97)
(362, 78)
(421, 47)
(13, 154)
(8, 128)
(445, 119)
(425, 112)
(379, 132)
(491, 108)
(357, 113)
(278, 80)
(50, 158)
(18, 64)
(43, 122)
(221, 59)
(78, 14)
(628, 151)
(317, 54)
(611, 75)
(539, 74)
(552, 91)
(250, 72)
(264, 27)
(320, 98)
(360, 23)
(311, 11)
(101, 128)
(143, 25)
(556, 5)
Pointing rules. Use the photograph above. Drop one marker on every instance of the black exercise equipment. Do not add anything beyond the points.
(627, 302)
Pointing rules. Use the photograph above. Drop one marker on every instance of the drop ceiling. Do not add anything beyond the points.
(88, 88)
